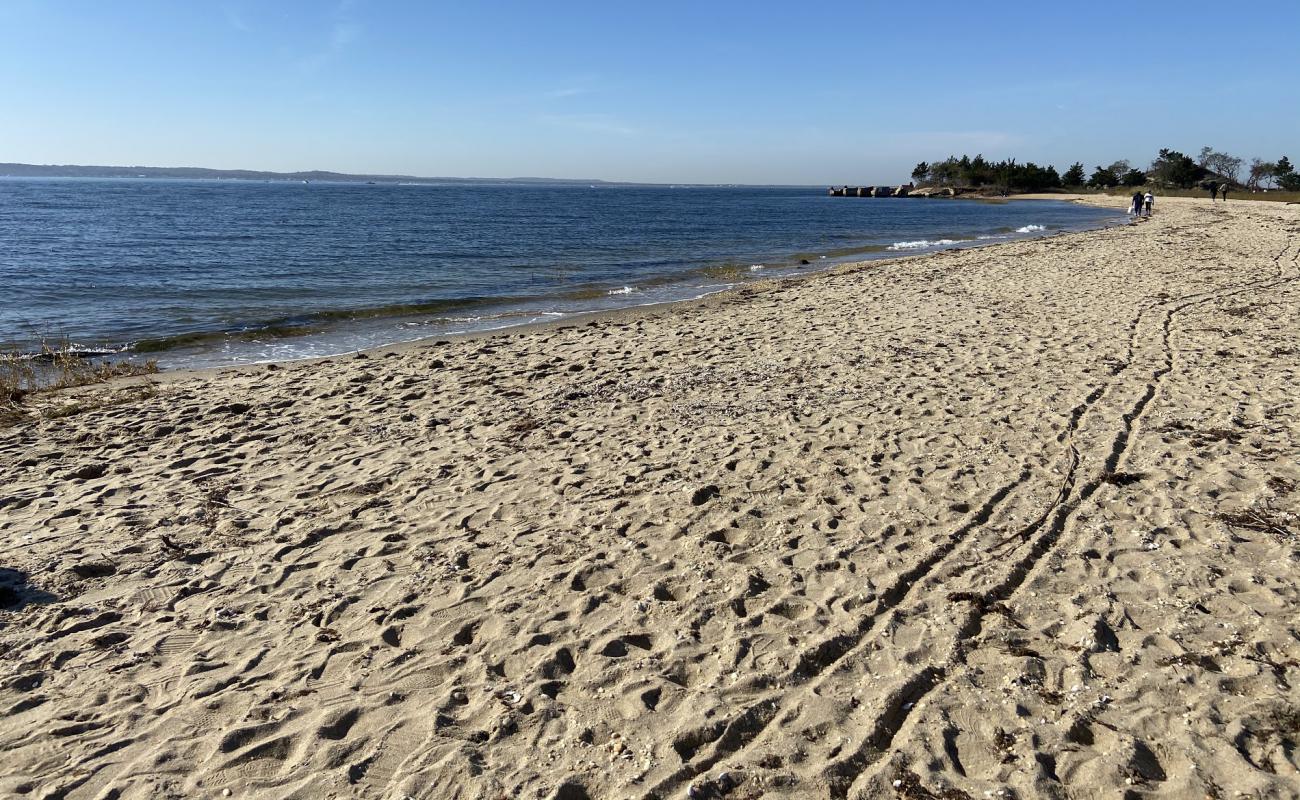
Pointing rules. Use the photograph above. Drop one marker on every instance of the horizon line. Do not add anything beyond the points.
(298, 174)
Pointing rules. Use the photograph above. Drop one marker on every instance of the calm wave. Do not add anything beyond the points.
(213, 272)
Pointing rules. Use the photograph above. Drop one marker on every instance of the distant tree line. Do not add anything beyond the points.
(1269, 174)
(979, 172)
(1170, 169)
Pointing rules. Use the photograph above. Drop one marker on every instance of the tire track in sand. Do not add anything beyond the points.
(842, 775)
(818, 664)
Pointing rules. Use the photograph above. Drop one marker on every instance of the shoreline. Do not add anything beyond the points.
(1010, 519)
(262, 337)
(617, 314)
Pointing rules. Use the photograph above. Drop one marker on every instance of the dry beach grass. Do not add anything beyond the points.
(1015, 522)
(27, 378)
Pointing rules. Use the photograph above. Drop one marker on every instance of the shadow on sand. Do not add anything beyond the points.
(16, 593)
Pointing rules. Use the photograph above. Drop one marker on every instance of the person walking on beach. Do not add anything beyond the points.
(1148, 200)
(1136, 208)
(1214, 190)
(1224, 189)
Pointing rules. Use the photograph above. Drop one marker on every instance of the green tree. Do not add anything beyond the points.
(921, 174)
(1286, 176)
(978, 172)
(1134, 177)
(943, 173)
(1035, 178)
(1172, 168)
(1102, 177)
(1074, 176)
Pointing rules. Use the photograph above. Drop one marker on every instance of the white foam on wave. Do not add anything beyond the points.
(624, 290)
(755, 267)
(921, 244)
(1031, 228)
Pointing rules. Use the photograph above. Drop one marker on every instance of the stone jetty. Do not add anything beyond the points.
(904, 190)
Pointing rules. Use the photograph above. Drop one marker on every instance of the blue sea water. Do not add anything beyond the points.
(203, 273)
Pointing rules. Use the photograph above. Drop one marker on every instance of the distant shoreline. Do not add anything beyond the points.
(17, 170)
(203, 173)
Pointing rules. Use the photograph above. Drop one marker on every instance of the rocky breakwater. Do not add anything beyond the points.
(871, 191)
(905, 190)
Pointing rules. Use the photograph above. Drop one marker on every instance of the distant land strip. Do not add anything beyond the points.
(201, 173)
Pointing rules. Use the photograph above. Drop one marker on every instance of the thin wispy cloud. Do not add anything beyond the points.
(569, 86)
(343, 31)
(236, 19)
(344, 34)
(592, 123)
(572, 91)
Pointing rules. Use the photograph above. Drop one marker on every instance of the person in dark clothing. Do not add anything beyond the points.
(1136, 209)
(1214, 190)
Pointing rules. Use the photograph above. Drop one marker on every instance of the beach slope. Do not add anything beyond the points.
(1013, 520)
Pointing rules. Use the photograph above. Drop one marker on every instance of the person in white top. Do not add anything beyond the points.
(1148, 201)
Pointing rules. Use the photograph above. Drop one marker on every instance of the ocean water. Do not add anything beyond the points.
(204, 273)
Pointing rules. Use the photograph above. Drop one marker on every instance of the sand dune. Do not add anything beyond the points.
(1008, 522)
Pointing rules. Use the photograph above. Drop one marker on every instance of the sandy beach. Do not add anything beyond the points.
(1016, 521)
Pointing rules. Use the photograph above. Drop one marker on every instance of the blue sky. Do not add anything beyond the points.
(665, 91)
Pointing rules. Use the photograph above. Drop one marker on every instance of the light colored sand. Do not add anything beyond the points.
(848, 536)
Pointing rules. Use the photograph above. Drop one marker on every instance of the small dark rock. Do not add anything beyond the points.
(108, 640)
(94, 569)
(89, 472)
(704, 494)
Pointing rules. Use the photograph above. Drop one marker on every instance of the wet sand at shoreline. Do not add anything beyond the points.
(1012, 520)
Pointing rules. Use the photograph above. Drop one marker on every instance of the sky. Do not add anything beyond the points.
(707, 91)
